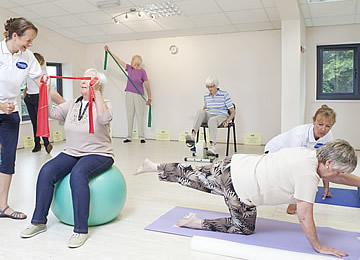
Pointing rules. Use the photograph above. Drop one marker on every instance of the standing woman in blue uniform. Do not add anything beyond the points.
(16, 63)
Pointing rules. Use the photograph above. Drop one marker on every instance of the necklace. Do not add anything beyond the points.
(81, 115)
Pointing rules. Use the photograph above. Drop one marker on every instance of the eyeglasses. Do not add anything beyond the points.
(211, 86)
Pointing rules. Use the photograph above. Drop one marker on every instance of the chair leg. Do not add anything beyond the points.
(197, 136)
(234, 138)
(204, 128)
(227, 141)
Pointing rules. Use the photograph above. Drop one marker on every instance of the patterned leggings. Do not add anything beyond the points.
(216, 179)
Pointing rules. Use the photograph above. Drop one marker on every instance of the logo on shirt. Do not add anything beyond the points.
(21, 65)
(318, 145)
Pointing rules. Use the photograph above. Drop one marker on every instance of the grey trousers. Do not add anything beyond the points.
(213, 122)
(135, 106)
(216, 179)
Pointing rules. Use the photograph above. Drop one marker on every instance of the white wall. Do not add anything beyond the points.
(293, 90)
(290, 74)
(347, 125)
(246, 64)
(55, 48)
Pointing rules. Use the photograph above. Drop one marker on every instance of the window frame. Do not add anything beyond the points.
(319, 69)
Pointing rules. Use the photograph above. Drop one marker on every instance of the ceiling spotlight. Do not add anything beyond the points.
(116, 21)
(139, 14)
(126, 16)
(159, 10)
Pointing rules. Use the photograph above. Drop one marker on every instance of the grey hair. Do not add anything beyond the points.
(100, 76)
(340, 152)
(211, 81)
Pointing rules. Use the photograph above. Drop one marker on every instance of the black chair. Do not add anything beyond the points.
(231, 124)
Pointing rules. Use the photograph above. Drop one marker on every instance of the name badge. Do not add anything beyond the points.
(21, 65)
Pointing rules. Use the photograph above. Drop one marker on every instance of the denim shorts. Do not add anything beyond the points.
(9, 134)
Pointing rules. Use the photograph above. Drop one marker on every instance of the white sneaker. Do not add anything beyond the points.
(33, 230)
(190, 140)
(77, 240)
(211, 151)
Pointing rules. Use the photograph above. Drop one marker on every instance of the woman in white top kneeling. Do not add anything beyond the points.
(311, 136)
(247, 181)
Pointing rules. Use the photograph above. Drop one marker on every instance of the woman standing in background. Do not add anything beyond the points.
(135, 104)
(31, 99)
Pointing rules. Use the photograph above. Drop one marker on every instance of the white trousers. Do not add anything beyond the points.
(213, 122)
(135, 106)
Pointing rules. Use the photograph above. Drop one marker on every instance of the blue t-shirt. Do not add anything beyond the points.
(218, 104)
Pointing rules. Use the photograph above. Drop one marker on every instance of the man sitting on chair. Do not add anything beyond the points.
(215, 112)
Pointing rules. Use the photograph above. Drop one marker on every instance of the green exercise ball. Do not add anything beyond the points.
(107, 198)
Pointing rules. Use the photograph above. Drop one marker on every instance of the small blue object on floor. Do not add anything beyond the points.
(268, 233)
(107, 198)
(340, 197)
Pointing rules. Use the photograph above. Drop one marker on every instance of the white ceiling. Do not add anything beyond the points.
(83, 21)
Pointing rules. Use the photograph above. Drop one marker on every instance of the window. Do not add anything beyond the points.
(337, 67)
(53, 69)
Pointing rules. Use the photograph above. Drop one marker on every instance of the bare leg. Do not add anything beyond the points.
(147, 166)
(291, 209)
(5, 181)
(192, 222)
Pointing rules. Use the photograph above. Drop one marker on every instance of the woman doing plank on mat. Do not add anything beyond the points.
(247, 181)
(86, 155)
(311, 136)
(135, 104)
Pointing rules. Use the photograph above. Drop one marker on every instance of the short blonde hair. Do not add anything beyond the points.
(138, 60)
(325, 111)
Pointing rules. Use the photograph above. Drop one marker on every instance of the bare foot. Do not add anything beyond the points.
(291, 209)
(147, 166)
(192, 222)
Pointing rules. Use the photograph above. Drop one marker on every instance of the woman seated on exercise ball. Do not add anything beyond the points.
(85, 156)
(247, 181)
(311, 136)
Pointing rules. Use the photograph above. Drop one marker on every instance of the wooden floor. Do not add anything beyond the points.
(147, 199)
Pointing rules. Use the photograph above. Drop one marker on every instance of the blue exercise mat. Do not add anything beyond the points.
(341, 197)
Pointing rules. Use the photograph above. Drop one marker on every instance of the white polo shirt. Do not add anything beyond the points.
(32, 87)
(299, 136)
(14, 68)
(276, 178)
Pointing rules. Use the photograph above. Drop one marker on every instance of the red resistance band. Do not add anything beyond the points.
(42, 116)
(60, 77)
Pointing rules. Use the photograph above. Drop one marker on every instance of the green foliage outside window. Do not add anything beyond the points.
(338, 69)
